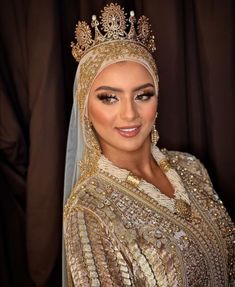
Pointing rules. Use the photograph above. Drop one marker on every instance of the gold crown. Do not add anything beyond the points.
(114, 25)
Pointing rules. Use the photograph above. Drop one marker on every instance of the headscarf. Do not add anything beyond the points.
(82, 145)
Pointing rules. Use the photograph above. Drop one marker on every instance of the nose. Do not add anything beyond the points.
(128, 110)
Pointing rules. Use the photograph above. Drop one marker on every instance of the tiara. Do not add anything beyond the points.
(114, 26)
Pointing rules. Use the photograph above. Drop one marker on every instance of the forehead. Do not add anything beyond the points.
(123, 72)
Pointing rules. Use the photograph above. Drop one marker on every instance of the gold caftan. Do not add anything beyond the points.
(117, 235)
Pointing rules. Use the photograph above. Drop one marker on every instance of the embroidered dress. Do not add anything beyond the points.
(120, 230)
(120, 235)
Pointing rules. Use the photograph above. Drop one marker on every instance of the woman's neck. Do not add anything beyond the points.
(140, 162)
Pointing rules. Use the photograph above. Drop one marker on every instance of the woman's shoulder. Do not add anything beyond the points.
(189, 162)
(194, 174)
(86, 196)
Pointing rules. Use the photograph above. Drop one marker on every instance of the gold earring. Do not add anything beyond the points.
(90, 136)
(154, 135)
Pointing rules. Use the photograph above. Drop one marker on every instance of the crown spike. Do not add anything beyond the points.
(132, 32)
(94, 24)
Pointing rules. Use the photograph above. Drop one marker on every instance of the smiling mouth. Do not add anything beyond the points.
(128, 131)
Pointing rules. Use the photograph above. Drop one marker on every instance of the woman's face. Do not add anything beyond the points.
(122, 107)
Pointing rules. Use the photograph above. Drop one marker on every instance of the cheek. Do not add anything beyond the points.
(100, 116)
(149, 113)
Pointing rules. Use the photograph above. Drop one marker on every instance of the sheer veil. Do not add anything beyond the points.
(74, 153)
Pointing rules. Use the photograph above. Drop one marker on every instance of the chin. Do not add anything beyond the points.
(126, 145)
(129, 146)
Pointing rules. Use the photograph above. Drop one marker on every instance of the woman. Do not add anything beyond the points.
(136, 216)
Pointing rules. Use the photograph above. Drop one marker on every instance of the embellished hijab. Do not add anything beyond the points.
(115, 45)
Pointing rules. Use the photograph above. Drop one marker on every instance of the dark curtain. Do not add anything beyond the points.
(195, 57)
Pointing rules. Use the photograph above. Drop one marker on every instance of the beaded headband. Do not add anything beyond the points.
(114, 26)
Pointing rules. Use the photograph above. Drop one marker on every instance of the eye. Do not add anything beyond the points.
(107, 98)
(145, 96)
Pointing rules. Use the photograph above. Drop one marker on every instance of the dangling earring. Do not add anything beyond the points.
(154, 135)
(90, 136)
(154, 132)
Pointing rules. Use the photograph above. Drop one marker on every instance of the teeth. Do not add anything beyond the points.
(128, 130)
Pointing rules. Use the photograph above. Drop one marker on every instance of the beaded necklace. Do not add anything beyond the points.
(180, 203)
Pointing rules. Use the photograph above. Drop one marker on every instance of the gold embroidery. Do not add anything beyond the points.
(183, 208)
(193, 253)
(133, 180)
(164, 165)
(143, 265)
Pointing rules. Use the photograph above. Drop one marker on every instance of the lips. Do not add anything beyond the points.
(128, 131)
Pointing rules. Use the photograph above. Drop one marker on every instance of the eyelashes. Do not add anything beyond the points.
(112, 98)
(145, 96)
(107, 98)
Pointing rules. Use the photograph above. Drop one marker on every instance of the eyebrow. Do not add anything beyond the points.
(113, 89)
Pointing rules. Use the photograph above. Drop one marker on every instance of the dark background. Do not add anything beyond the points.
(195, 57)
